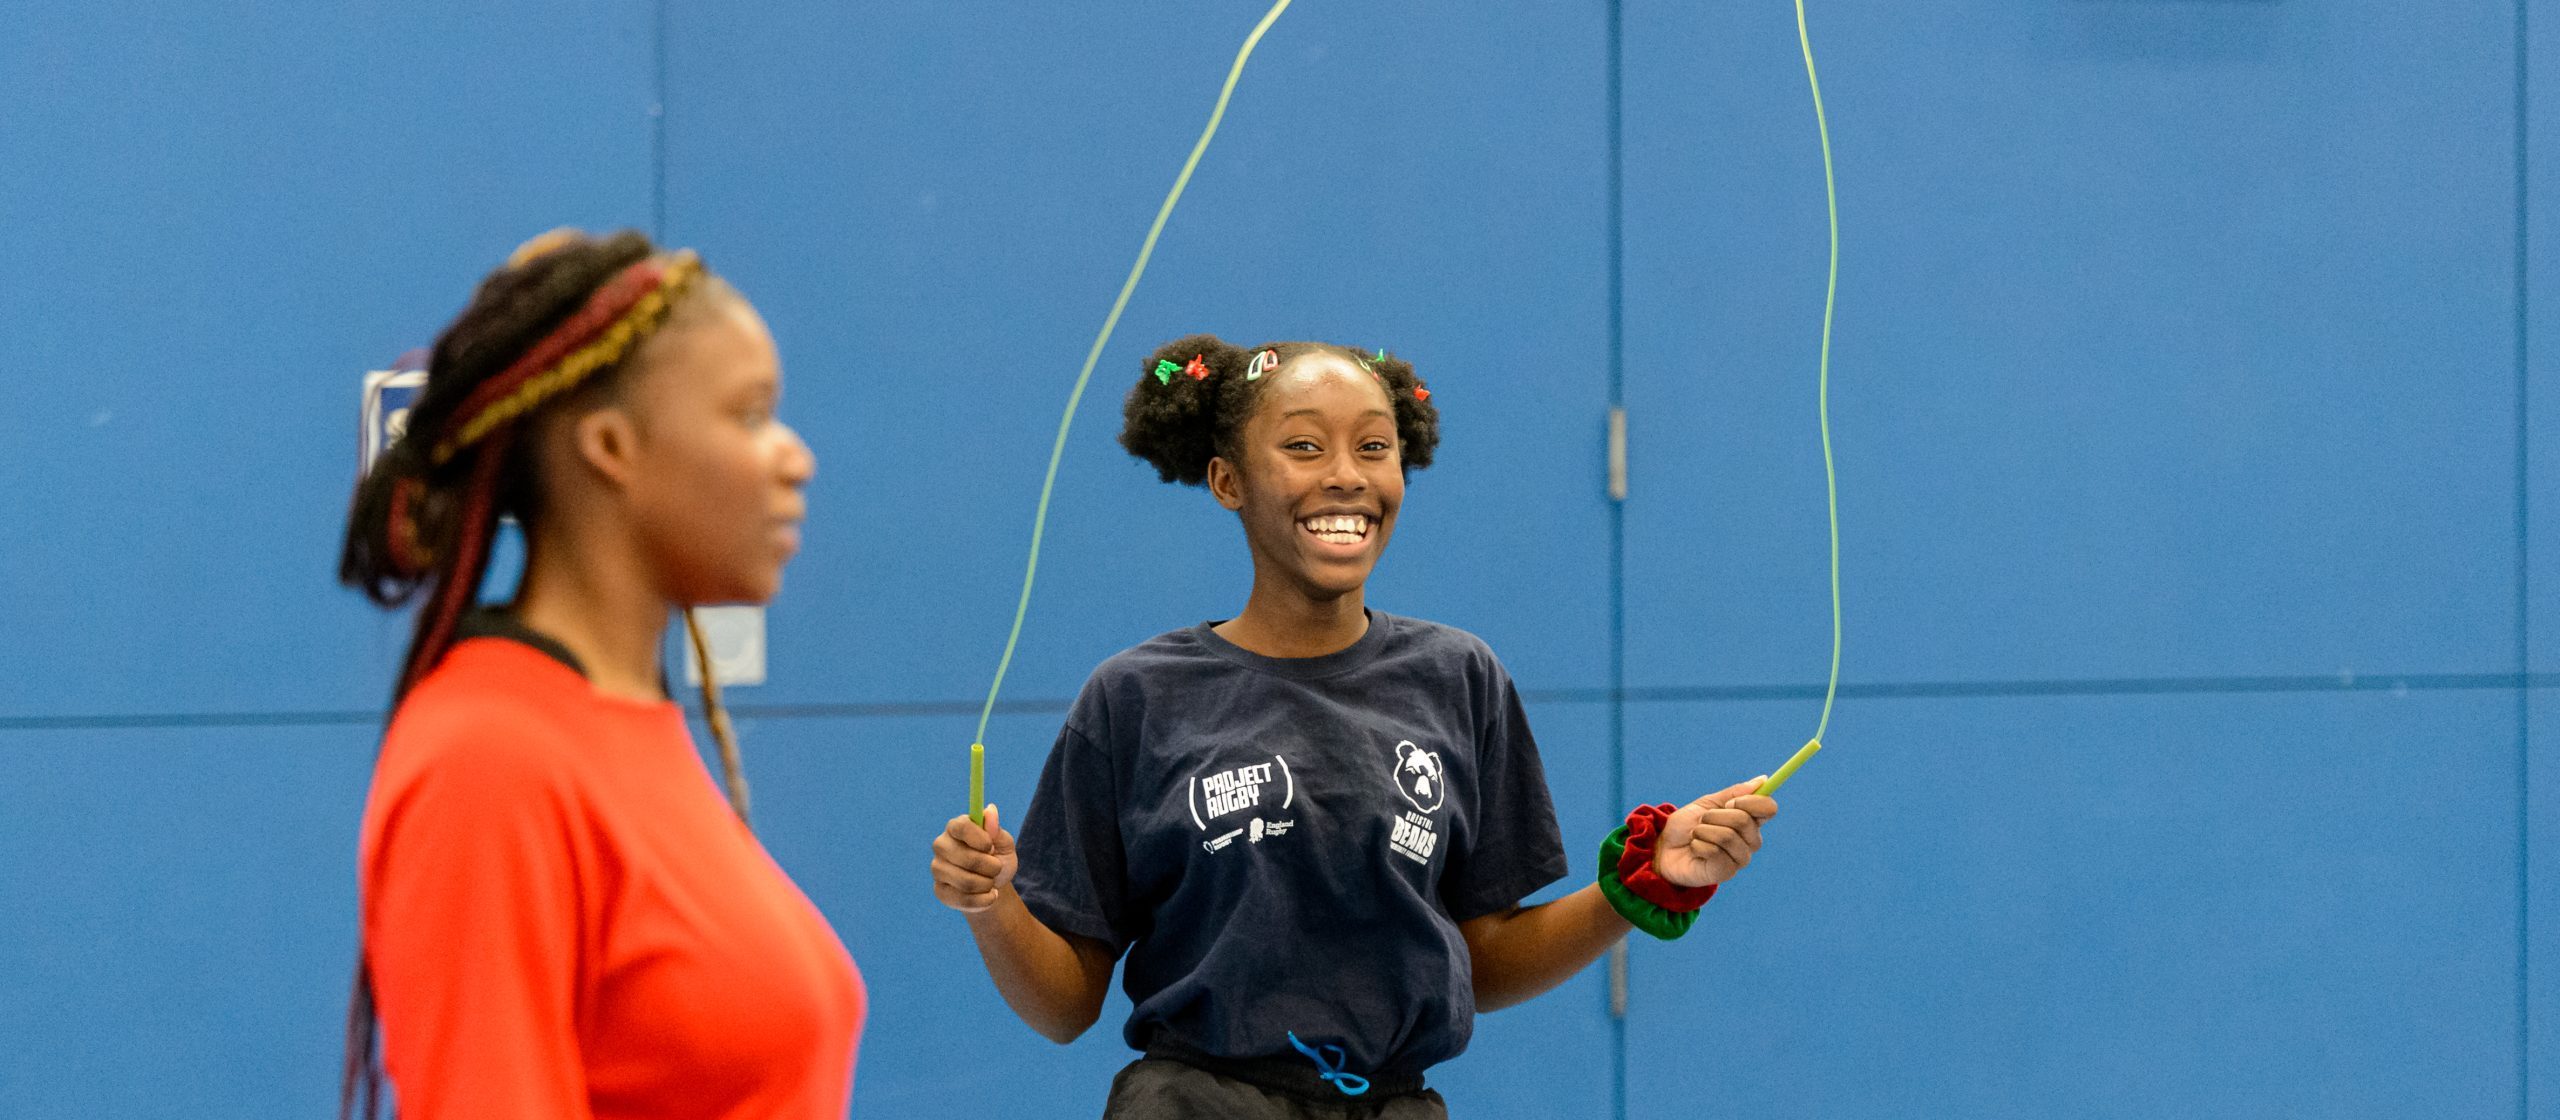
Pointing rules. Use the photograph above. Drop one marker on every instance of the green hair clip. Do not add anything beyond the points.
(1165, 371)
(1370, 369)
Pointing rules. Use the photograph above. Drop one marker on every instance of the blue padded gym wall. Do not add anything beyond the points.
(2193, 390)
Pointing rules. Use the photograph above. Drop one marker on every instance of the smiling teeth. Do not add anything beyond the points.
(1338, 529)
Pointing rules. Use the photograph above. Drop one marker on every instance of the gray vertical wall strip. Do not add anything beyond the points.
(1617, 524)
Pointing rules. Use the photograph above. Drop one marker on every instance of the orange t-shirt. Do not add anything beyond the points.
(564, 919)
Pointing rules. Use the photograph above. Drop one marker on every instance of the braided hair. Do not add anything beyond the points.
(558, 322)
(1195, 394)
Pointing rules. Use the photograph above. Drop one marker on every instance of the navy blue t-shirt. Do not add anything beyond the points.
(1288, 845)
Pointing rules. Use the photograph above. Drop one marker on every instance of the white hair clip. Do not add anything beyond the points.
(1263, 363)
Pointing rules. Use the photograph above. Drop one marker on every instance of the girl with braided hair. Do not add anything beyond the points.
(1309, 828)
(561, 917)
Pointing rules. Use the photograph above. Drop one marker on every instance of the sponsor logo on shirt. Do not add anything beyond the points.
(1419, 777)
(1260, 789)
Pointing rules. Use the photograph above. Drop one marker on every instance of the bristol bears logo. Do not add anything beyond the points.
(1419, 778)
(1418, 775)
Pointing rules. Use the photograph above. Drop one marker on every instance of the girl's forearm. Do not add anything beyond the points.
(1523, 953)
(1054, 981)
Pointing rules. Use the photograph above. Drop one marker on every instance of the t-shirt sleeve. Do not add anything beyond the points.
(1513, 847)
(1074, 874)
(472, 927)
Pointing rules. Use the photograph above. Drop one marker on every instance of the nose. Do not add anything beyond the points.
(799, 464)
(1342, 473)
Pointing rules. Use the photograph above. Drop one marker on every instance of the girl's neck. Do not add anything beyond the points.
(1290, 623)
(611, 619)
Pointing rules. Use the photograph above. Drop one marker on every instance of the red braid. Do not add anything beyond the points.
(407, 555)
(461, 584)
(627, 307)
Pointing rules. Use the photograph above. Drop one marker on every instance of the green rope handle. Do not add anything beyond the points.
(1066, 420)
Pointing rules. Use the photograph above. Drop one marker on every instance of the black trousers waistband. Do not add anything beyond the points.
(1294, 1075)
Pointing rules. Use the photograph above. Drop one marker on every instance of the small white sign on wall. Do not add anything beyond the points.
(388, 395)
(736, 637)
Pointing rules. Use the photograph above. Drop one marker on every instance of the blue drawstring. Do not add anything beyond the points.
(1330, 1069)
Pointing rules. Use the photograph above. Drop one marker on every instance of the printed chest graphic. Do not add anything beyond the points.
(1423, 784)
(1243, 802)
(1235, 801)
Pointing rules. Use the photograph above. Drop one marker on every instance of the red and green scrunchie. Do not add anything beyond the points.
(1639, 893)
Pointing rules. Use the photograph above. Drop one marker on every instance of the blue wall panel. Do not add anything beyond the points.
(233, 213)
(2209, 905)
(934, 205)
(2541, 913)
(2541, 335)
(2174, 339)
(180, 920)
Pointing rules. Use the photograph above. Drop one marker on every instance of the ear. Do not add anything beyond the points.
(1226, 483)
(607, 444)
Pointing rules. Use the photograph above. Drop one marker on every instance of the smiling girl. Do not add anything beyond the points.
(1309, 828)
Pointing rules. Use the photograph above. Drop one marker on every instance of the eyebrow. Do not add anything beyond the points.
(1320, 412)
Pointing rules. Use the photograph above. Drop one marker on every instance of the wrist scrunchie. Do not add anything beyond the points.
(1639, 893)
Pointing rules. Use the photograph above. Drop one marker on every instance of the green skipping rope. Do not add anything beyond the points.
(1048, 483)
(1830, 475)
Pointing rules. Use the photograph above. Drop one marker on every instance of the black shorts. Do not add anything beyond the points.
(1165, 1089)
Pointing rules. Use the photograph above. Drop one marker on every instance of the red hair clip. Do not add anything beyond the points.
(1420, 393)
(1198, 369)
